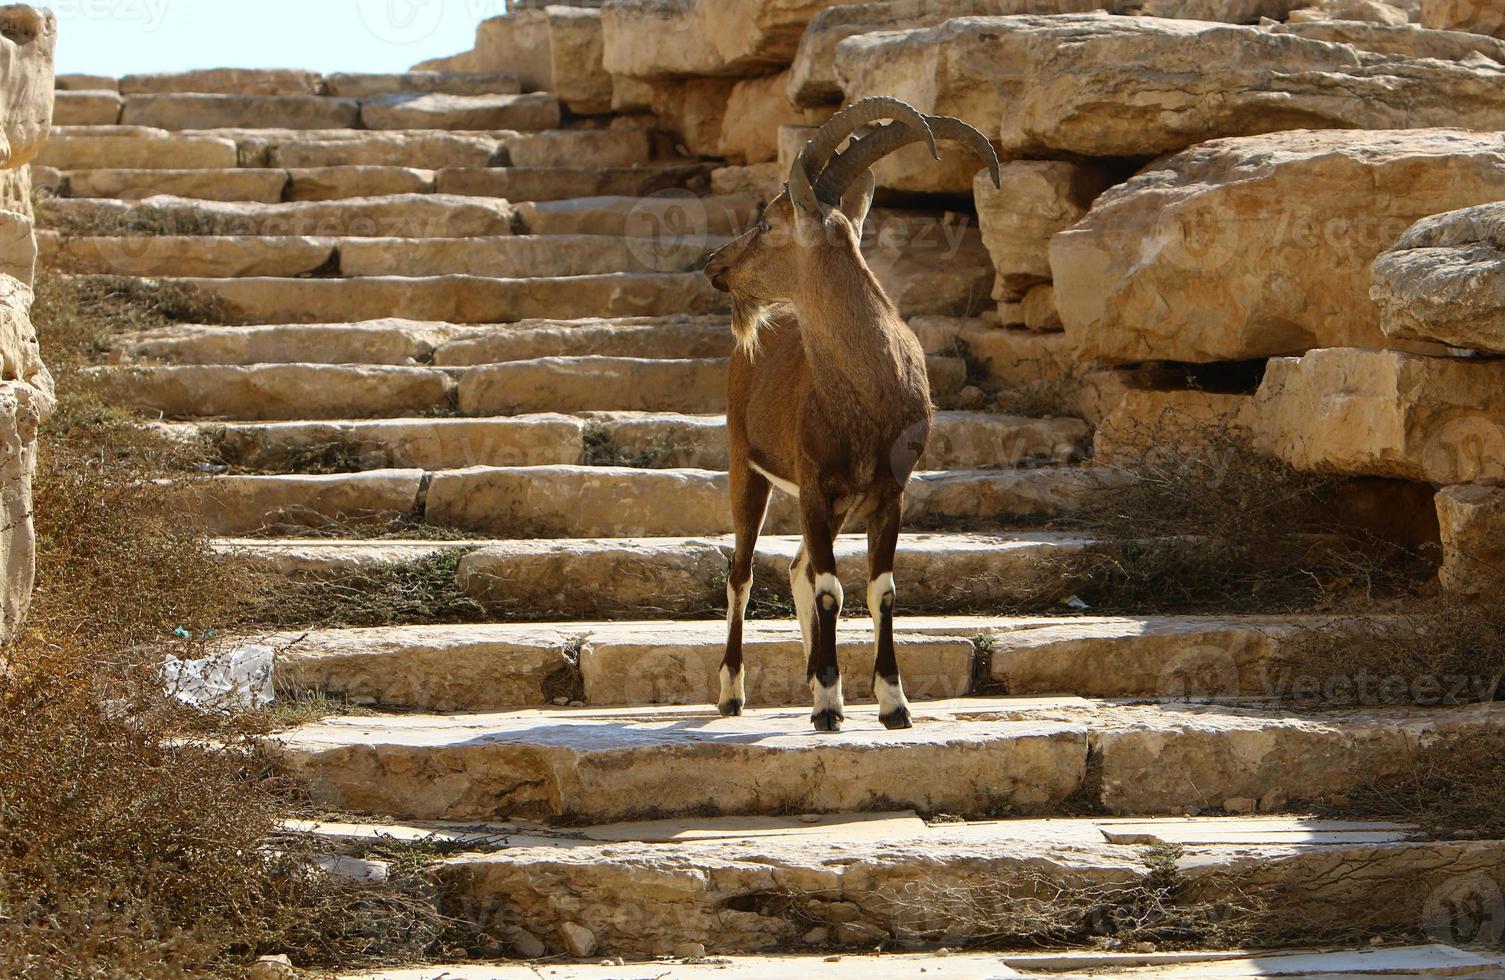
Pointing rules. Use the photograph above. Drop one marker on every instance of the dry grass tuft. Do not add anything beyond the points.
(1450, 787)
(1211, 524)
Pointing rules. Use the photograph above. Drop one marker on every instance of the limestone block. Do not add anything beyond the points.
(558, 184)
(1096, 84)
(1038, 199)
(28, 38)
(277, 391)
(430, 444)
(577, 71)
(755, 110)
(264, 186)
(437, 110)
(388, 341)
(187, 255)
(155, 151)
(693, 110)
(1444, 281)
(336, 183)
(569, 147)
(813, 80)
(1472, 520)
(657, 38)
(1208, 255)
(666, 218)
(1039, 309)
(1366, 11)
(86, 83)
(1385, 413)
(87, 108)
(593, 383)
(225, 81)
(1473, 16)
(352, 85)
(389, 149)
(197, 111)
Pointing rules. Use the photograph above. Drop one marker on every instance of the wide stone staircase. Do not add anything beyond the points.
(440, 324)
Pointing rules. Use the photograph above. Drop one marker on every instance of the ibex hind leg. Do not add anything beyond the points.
(749, 505)
(819, 592)
(882, 543)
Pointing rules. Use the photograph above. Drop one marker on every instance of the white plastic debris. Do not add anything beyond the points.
(233, 679)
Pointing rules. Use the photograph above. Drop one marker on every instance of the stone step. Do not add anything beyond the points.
(395, 215)
(456, 299)
(292, 81)
(278, 391)
(494, 666)
(152, 148)
(958, 440)
(860, 880)
(529, 113)
(397, 341)
(1413, 961)
(272, 392)
(668, 218)
(178, 111)
(513, 256)
(584, 578)
(599, 501)
(967, 757)
(270, 186)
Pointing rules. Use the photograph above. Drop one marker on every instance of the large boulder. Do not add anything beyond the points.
(812, 78)
(1385, 413)
(755, 110)
(1445, 280)
(1258, 246)
(1103, 85)
(28, 37)
(668, 38)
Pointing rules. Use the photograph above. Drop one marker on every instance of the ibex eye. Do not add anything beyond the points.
(763, 226)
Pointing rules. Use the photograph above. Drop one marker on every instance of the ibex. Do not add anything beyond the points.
(830, 404)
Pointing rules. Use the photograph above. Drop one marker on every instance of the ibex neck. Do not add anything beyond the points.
(853, 335)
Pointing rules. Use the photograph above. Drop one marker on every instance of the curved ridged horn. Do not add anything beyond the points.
(863, 153)
(813, 159)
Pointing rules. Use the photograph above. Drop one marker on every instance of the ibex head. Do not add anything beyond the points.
(813, 230)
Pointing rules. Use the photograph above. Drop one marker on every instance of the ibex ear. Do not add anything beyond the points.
(857, 200)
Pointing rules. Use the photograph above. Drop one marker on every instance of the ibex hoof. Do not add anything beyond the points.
(827, 721)
(896, 720)
(730, 709)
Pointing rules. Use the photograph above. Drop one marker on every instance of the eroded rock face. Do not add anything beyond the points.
(1258, 246)
(1102, 85)
(1444, 280)
(27, 40)
(1385, 413)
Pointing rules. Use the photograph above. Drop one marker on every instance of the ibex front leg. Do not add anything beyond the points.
(818, 599)
(882, 542)
(749, 506)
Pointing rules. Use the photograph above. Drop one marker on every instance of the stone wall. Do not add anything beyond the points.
(28, 37)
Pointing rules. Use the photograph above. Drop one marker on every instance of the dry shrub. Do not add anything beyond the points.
(423, 590)
(1208, 523)
(1450, 786)
(1434, 650)
(1033, 906)
(133, 832)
